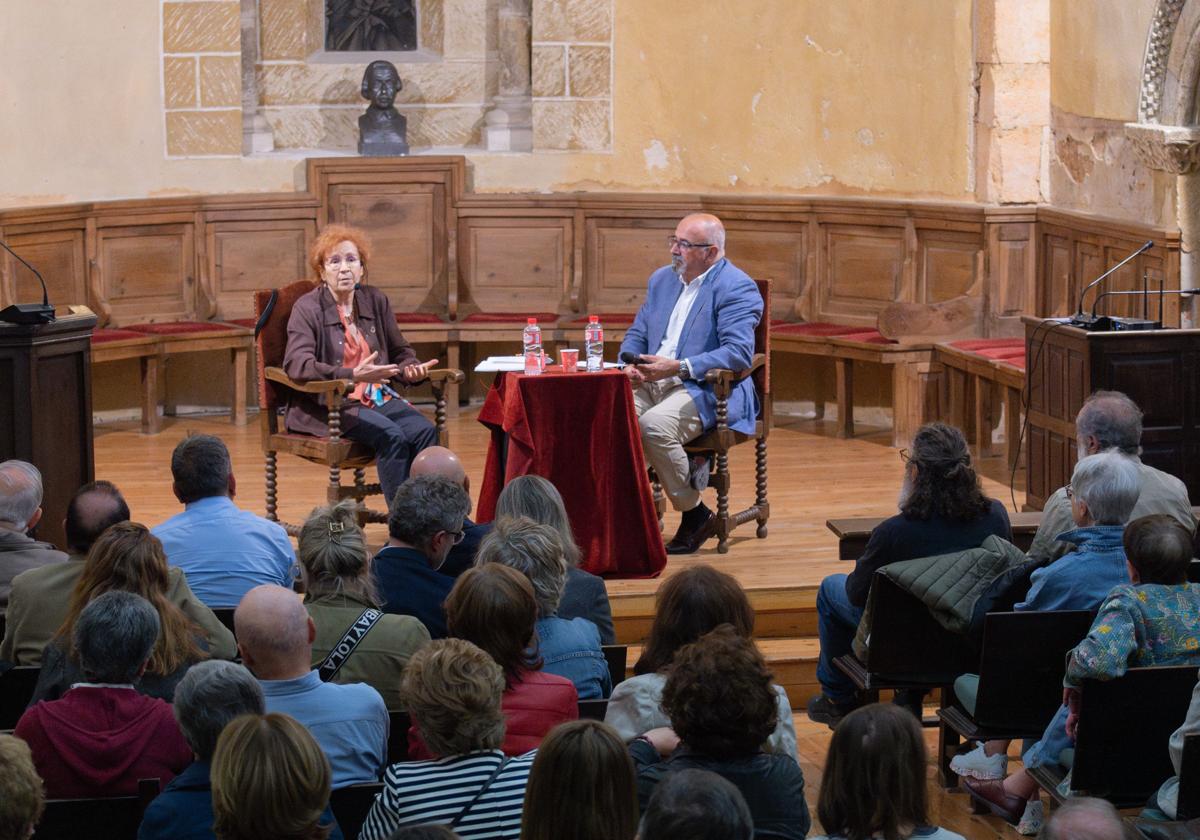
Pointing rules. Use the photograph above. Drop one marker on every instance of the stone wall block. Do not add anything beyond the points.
(220, 81)
(1015, 164)
(549, 70)
(571, 125)
(204, 133)
(431, 25)
(201, 27)
(337, 128)
(179, 82)
(1022, 31)
(340, 84)
(466, 29)
(283, 28)
(589, 71)
(572, 20)
(1020, 94)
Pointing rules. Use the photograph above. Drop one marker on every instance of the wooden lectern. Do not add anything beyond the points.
(1157, 369)
(46, 409)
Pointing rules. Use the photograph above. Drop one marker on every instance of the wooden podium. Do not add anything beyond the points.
(1157, 369)
(46, 409)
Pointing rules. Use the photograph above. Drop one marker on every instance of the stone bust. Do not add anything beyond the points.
(382, 130)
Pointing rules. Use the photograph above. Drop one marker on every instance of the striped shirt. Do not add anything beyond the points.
(422, 792)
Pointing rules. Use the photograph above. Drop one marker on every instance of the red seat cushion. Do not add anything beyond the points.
(976, 345)
(180, 327)
(509, 317)
(1016, 361)
(866, 337)
(615, 319)
(818, 328)
(1003, 353)
(248, 323)
(418, 318)
(101, 336)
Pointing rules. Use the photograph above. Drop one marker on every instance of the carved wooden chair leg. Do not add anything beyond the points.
(439, 415)
(660, 499)
(360, 484)
(722, 483)
(272, 486)
(760, 487)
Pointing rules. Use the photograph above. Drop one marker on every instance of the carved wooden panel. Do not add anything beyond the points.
(58, 256)
(147, 272)
(771, 250)
(860, 273)
(622, 253)
(1056, 297)
(514, 265)
(409, 239)
(1012, 272)
(949, 265)
(246, 256)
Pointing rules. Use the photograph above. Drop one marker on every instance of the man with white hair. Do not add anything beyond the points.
(20, 511)
(700, 313)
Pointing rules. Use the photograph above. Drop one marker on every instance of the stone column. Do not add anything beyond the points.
(510, 122)
(257, 136)
(1176, 149)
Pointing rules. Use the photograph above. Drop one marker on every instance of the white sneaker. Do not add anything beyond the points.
(978, 765)
(1031, 821)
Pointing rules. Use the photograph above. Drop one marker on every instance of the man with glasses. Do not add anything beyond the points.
(427, 519)
(700, 313)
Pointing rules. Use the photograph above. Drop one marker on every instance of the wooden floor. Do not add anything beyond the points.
(813, 476)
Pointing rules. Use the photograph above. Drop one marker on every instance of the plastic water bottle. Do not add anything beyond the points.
(593, 342)
(531, 339)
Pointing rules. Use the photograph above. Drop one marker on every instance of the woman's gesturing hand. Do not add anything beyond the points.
(368, 371)
(418, 371)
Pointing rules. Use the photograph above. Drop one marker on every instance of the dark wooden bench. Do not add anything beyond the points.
(854, 531)
(907, 648)
(16, 690)
(397, 745)
(617, 657)
(112, 817)
(351, 804)
(592, 709)
(1021, 670)
(1124, 727)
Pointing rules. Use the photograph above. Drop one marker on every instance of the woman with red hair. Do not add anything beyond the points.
(344, 329)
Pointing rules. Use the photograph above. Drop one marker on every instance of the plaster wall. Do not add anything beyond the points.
(736, 96)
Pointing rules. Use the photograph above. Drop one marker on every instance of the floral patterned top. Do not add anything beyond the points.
(1138, 626)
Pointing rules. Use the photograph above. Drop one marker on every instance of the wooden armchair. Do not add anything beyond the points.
(717, 443)
(273, 308)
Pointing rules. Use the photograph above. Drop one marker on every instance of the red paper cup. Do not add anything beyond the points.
(569, 359)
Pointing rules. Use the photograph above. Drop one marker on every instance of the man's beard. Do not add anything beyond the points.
(677, 264)
(906, 491)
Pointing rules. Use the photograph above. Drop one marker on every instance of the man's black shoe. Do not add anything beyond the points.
(688, 540)
(822, 709)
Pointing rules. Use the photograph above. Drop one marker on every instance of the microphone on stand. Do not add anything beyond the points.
(1079, 319)
(28, 313)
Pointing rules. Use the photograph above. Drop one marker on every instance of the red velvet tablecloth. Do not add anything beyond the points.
(580, 431)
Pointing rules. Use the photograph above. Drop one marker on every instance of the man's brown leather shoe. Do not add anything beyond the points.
(689, 541)
(991, 793)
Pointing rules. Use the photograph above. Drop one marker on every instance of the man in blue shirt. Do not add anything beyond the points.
(223, 551)
(427, 519)
(350, 722)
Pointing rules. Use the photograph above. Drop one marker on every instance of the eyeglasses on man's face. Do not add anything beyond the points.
(675, 242)
(456, 536)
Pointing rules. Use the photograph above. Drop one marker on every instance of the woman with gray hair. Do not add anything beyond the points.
(356, 641)
(585, 595)
(568, 647)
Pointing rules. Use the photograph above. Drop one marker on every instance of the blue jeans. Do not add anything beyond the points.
(397, 432)
(837, 622)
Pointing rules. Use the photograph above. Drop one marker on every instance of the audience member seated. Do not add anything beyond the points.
(224, 551)
(38, 604)
(1167, 798)
(688, 605)
(270, 781)
(104, 735)
(426, 520)
(1152, 621)
(1109, 421)
(942, 509)
(1103, 490)
(1085, 818)
(582, 786)
(438, 460)
(21, 797)
(585, 595)
(350, 722)
(423, 832)
(453, 689)
(208, 697)
(125, 558)
(719, 699)
(345, 329)
(493, 607)
(696, 805)
(20, 511)
(356, 642)
(874, 779)
(569, 648)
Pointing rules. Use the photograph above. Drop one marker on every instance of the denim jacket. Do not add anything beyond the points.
(1082, 579)
(571, 649)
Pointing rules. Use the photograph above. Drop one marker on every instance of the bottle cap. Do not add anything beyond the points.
(531, 321)
(593, 319)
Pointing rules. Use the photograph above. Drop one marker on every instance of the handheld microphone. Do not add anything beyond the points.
(630, 358)
(28, 313)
